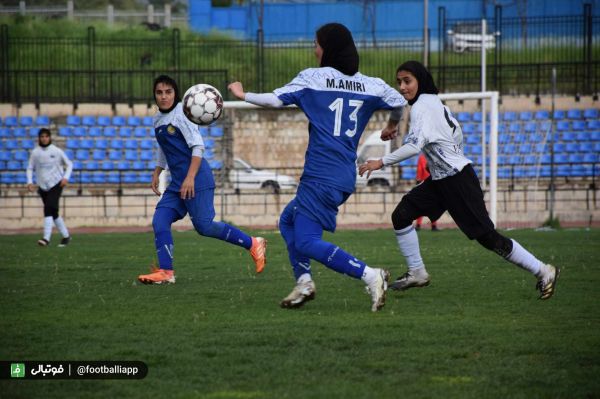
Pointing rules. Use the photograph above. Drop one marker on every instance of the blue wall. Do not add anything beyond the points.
(393, 19)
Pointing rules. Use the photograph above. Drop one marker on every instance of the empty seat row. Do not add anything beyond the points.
(13, 121)
(511, 116)
(116, 144)
(118, 120)
(108, 131)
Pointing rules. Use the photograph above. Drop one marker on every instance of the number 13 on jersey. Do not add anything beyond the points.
(337, 106)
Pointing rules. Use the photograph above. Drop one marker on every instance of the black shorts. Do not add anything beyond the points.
(460, 195)
(51, 199)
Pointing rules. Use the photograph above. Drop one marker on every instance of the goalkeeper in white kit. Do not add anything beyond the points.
(52, 171)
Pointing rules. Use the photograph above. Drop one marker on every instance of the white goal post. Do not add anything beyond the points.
(493, 97)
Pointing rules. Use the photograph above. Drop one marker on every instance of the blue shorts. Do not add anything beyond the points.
(320, 202)
(201, 206)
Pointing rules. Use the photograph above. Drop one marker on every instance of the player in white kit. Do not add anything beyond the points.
(453, 185)
(52, 172)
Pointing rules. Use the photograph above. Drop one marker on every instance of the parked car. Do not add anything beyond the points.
(244, 176)
(374, 148)
(466, 36)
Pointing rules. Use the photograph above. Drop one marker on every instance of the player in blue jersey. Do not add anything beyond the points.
(338, 101)
(192, 186)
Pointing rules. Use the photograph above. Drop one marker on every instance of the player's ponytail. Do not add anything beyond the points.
(339, 50)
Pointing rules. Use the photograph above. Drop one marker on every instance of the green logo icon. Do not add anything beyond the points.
(17, 370)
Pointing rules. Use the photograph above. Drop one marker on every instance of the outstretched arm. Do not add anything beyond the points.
(262, 99)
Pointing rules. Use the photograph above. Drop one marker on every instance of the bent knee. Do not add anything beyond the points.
(401, 218)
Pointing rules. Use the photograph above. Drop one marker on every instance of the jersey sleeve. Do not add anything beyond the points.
(67, 162)
(292, 92)
(190, 132)
(390, 96)
(30, 166)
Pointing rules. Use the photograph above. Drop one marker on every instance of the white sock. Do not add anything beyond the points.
(408, 242)
(60, 225)
(525, 259)
(304, 278)
(369, 275)
(48, 227)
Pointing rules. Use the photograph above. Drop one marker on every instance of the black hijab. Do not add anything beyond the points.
(339, 51)
(171, 82)
(44, 131)
(426, 84)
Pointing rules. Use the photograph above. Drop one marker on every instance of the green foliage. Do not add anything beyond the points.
(477, 331)
(553, 223)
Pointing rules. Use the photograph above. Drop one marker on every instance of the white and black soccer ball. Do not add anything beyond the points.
(202, 104)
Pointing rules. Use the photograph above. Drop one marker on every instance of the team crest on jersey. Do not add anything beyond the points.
(171, 129)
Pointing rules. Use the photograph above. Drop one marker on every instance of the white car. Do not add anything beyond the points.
(466, 36)
(244, 176)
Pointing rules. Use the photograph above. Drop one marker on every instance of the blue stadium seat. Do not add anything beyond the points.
(131, 155)
(574, 114)
(208, 154)
(138, 165)
(594, 124)
(42, 120)
(586, 146)
(103, 120)
(535, 138)
(11, 144)
(520, 172)
(114, 177)
(14, 165)
(209, 143)
(572, 147)
(216, 164)
(563, 170)
(558, 147)
(578, 125)
(151, 132)
(545, 126)
(575, 158)
(26, 121)
(463, 117)
(409, 173)
(145, 177)
(107, 165)
(530, 159)
(130, 177)
(125, 131)
(203, 131)
(123, 165)
(509, 116)
(542, 114)
(501, 128)
(11, 121)
(101, 144)
(147, 121)
(87, 144)
(477, 116)
(21, 155)
(5, 155)
(65, 131)
(139, 131)
(216, 131)
(82, 155)
(146, 155)
(91, 165)
(27, 144)
(591, 113)
(561, 158)
(77, 165)
(118, 120)
(33, 131)
(115, 155)
(525, 148)
(110, 131)
(69, 153)
(476, 149)
(133, 121)
(116, 144)
(72, 144)
(562, 126)
(590, 157)
(4, 132)
(568, 136)
(519, 138)
(151, 165)
(595, 136)
(514, 127)
(582, 136)
(99, 178)
(514, 160)
(79, 131)
(131, 144)
(19, 132)
(88, 120)
(73, 120)
(98, 155)
(468, 128)
(504, 138)
(2, 165)
(473, 139)
(147, 144)
(86, 177)
(95, 131)
(578, 170)
(504, 173)
(559, 114)
(530, 127)
(509, 149)
(525, 115)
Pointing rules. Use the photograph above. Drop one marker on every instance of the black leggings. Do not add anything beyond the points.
(50, 199)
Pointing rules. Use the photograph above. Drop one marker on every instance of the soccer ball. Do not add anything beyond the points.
(202, 104)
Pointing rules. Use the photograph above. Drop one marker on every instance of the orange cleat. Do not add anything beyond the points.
(259, 253)
(158, 276)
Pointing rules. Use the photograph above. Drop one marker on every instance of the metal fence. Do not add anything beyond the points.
(520, 56)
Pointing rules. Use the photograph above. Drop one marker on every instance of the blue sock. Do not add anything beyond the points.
(300, 264)
(308, 234)
(163, 239)
(224, 232)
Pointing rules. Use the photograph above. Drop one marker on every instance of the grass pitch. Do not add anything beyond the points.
(477, 331)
